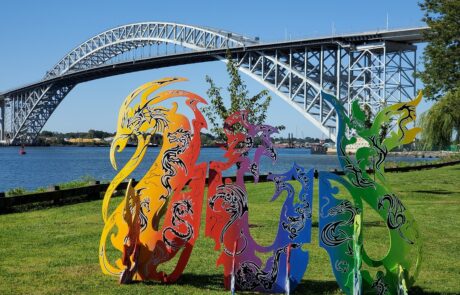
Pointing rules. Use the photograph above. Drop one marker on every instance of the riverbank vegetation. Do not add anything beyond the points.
(442, 157)
(56, 250)
(83, 181)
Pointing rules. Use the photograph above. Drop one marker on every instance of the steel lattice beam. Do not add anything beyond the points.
(376, 69)
(31, 109)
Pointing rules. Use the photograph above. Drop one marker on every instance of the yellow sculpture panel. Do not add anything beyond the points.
(171, 188)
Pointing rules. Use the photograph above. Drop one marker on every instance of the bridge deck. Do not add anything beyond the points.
(401, 36)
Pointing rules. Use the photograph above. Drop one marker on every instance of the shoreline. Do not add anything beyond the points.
(81, 191)
(81, 182)
(415, 154)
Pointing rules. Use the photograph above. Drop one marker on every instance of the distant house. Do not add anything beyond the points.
(360, 142)
(352, 148)
(83, 140)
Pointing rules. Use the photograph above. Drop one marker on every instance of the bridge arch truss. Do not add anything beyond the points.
(376, 73)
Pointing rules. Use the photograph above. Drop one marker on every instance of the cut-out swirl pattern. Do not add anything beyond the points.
(340, 229)
(228, 212)
(172, 188)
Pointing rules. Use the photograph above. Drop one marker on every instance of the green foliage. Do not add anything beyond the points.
(82, 181)
(47, 138)
(362, 114)
(47, 133)
(207, 139)
(441, 122)
(365, 115)
(217, 112)
(19, 191)
(442, 54)
(90, 134)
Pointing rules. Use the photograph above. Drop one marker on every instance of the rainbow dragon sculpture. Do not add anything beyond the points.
(173, 188)
(162, 191)
(227, 216)
(340, 224)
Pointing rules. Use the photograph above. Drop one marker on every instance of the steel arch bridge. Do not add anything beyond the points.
(377, 68)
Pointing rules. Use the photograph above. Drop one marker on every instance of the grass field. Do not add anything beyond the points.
(55, 250)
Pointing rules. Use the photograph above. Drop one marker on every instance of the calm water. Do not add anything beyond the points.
(45, 166)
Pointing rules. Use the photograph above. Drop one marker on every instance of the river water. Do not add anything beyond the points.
(46, 166)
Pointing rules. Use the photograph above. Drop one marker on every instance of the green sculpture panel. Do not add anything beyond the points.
(341, 227)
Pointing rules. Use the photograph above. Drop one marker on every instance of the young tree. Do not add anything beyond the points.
(442, 54)
(369, 120)
(217, 112)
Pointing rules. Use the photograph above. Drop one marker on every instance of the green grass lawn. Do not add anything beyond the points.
(55, 250)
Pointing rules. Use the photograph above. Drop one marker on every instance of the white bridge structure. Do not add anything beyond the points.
(377, 68)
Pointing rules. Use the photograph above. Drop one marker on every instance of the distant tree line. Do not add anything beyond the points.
(301, 140)
(91, 134)
(61, 138)
(207, 139)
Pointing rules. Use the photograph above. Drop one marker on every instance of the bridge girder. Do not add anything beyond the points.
(106, 45)
(376, 74)
(31, 109)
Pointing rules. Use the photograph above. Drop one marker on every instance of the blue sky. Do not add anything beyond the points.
(36, 34)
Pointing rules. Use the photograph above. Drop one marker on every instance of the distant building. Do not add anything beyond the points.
(83, 140)
(281, 145)
(351, 149)
(318, 148)
(360, 142)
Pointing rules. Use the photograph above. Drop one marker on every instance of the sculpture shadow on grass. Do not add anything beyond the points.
(214, 282)
(435, 192)
(205, 281)
(416, 290)
(317, 287)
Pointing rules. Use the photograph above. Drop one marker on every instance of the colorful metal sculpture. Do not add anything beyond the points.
(227, 213)
(172, 188)
(340, 224)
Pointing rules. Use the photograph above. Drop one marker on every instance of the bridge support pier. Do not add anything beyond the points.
(382, 74)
